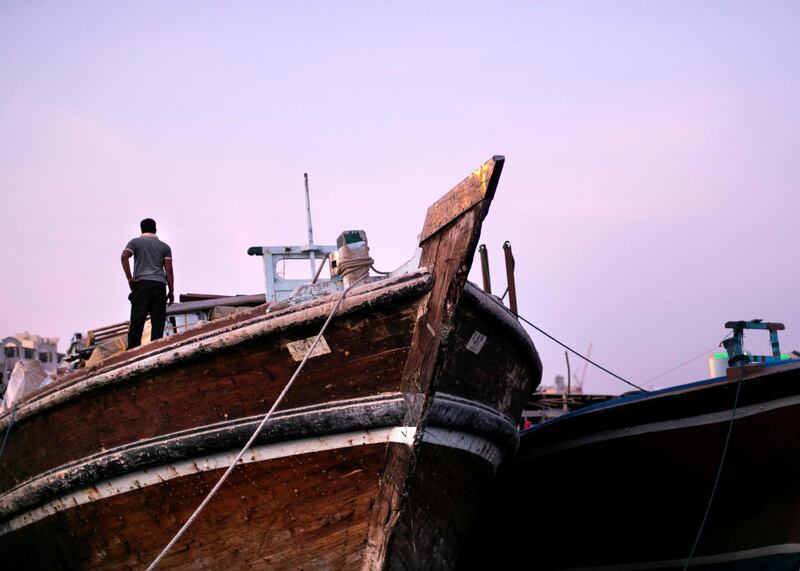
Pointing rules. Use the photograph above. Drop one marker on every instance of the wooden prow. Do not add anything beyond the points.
(448, 240)
(479, 186)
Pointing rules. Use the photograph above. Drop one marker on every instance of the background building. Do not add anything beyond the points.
(28, 347)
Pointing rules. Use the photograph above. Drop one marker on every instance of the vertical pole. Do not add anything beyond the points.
(776, 346)
(310, 230)
(512, 288)
(569, 374)
(487, 282)
(269, 276)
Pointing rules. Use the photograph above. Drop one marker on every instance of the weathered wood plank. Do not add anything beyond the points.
(234, 383)
(449, 238)
(203, 304)
(478, 186)
(306, 511)
(506, 385)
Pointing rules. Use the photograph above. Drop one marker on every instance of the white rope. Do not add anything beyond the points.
(255, 434)
(348, 266)
(719, 472)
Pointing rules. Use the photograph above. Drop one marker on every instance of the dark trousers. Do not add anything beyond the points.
(147, 297)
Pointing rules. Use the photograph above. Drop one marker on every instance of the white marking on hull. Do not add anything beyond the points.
(476, 342)
(700, 420)
(156, 475)
(782, 549)
(298, 349)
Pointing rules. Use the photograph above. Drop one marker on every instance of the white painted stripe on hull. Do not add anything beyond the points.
(758, 552)
(156, 475)
(700, 420)
(486, 449)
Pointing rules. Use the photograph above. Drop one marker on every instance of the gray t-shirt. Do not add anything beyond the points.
(149, 254)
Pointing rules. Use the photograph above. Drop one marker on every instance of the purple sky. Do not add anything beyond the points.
(650, 191)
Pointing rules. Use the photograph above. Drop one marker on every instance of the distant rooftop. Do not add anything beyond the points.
(31, 339)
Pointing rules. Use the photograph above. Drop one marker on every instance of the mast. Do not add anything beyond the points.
(310, 230)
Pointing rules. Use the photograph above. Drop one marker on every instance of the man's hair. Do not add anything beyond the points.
(148, 225)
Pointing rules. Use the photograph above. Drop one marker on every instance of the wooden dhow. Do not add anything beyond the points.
(376, 458)
(700, 476)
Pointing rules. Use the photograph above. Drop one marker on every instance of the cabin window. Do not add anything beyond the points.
(11, 352)
(29, 353)
(44, 357)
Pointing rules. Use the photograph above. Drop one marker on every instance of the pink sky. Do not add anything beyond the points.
(650, 191)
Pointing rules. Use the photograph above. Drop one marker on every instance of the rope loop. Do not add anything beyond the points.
(347, 267)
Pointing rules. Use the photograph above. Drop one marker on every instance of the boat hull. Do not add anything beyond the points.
(139, 446)
(625, 485)
(376, 458)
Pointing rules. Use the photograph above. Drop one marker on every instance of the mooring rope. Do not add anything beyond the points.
(256, 432)
(587, 359)
(676, 367)
(719, 471)
(647, 382)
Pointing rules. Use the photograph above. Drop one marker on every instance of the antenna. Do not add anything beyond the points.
(310, 230)
(278, 287)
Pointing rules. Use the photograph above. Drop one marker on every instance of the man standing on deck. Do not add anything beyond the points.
(151, 283)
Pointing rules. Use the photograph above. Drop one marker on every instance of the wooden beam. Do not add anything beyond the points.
(449, 238)
(478, 186)
(185, 297)
(236, 300)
